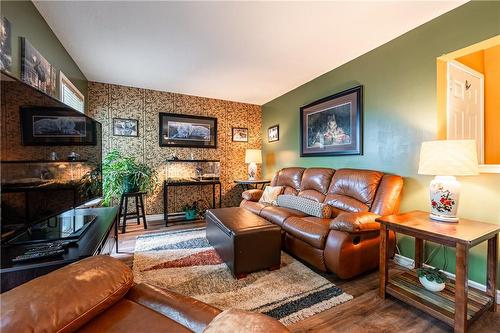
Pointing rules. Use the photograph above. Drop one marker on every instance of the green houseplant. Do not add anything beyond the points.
(191, 211)
(431, 278)
(122, 174)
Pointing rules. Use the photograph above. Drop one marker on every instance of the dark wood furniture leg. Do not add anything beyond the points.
(120, 211)
(125, 208)
(117, 222)
(419, 252)
(143, 212)
(165, 204)
(220, 195)
(491, 282)
(137, 208)
(384, 237)
(461, 288)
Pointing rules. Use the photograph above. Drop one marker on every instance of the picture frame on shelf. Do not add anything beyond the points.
(125, 127)
(189, 131)
(273, 133)
(333, 125)
(240, 134)
(5, 45)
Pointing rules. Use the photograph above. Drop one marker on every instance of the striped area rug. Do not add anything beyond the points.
(185, 262)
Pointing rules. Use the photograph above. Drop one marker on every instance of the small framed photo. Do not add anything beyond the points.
(273, 133)
(125, 127)
(240, 134)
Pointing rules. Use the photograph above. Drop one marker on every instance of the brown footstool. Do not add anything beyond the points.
(246, 242)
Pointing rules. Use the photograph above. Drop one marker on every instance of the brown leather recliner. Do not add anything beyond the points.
(346, 244)
(98, 294)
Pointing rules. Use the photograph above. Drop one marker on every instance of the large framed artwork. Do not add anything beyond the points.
(36, 70)
(179, 130)
(333, 125)
(5, 45)
(51, 126)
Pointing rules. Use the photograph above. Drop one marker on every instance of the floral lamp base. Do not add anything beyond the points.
(444, 195)
(252, 170)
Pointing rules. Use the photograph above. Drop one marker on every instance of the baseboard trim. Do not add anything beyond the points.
(410, 263)
(154, 217)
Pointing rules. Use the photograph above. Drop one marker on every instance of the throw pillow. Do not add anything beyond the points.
(270, 194)
(305, 205)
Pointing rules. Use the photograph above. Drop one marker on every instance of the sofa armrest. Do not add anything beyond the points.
(355, 222)
(185, 310)
(252, 195)
(239, 321)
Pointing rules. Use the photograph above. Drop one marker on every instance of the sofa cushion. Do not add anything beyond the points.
(252, 206)
(252, 195)
(271, 194)
(239, 321)
(312, 230)
(305, 205)
(129, 317)
(67, 298)
(353, 190)
(278, 215)
(290, 178)
(315, 183)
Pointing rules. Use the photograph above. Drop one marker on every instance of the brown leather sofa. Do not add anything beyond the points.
(346, 244)
(98, 294)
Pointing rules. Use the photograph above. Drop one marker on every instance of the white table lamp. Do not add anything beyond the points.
(252, 157)
(446, 159)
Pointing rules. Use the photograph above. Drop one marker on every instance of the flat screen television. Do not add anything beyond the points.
(50, 156)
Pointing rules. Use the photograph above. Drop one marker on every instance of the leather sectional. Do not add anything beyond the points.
(98, 294)
(346, 244)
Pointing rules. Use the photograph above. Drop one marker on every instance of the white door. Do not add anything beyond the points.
(465, 105)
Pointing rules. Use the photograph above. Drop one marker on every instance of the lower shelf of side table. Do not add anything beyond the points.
(407, 288)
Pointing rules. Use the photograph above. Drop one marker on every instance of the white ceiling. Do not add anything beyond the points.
(242, 51)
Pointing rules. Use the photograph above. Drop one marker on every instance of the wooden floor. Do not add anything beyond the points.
(365, 313)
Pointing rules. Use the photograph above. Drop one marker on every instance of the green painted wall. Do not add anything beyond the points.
(27, 22)
(399, 80)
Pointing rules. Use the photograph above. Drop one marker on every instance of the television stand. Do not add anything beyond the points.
(99, 238)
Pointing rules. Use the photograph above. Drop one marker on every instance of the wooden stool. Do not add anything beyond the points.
(139, 209)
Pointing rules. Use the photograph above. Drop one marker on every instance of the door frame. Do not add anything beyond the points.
(480, 76)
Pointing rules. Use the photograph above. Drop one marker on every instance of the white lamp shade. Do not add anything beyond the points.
(253, 156)
(448, 158)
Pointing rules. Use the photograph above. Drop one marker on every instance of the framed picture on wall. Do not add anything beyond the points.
(5, 45)
(240, 134)
(125, 127)
(333, 125)
(36, 70)
(180, 130)
(54, 126)
(273, 133)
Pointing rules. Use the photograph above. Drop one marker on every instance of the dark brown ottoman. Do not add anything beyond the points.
(246, 242)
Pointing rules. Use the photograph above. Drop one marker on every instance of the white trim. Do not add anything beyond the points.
(410, 264)
(64, 81)
(489, 168)
(480, 76)
(154, 217)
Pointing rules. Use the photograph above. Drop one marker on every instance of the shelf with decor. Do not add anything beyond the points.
(190, 172)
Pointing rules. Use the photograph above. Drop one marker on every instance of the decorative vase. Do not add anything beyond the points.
(190, 214)
(431, 285)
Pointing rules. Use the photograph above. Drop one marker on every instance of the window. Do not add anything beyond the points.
(70, 95)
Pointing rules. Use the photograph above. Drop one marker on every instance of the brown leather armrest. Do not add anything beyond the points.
(252, 195)
(355, 222)
(239, 321)
(185, 310)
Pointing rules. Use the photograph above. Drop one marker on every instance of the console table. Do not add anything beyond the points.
(167, 184)
(97, 239)
(247, 184)
(458, 304)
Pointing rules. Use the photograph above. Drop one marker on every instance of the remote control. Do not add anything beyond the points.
(38, 255)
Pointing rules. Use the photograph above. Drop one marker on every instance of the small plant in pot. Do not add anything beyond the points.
(432, 278)
(192, 211)
(122, 174)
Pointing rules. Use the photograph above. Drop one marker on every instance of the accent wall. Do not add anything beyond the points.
(399, 80)
(108, 101)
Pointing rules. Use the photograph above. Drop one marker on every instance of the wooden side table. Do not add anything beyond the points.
(252, 184)
(458, 304)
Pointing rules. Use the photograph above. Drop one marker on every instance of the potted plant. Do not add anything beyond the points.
(432, 278)
(191, 211)
(122, 174)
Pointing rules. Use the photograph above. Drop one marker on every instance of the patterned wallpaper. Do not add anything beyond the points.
(107, 101)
